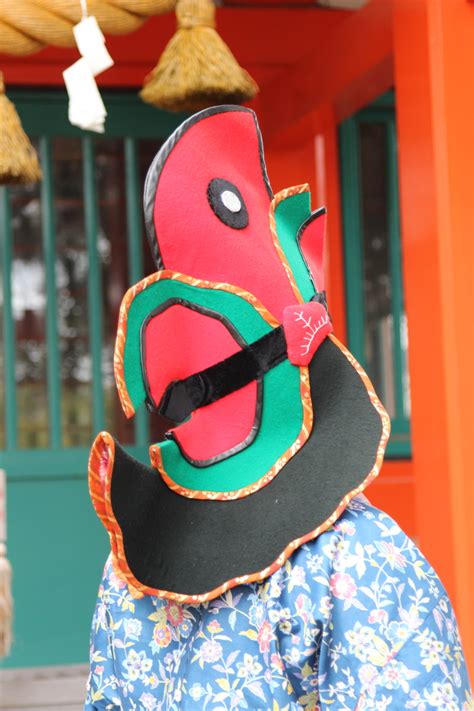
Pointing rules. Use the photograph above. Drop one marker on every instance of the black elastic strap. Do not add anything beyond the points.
(320, 297)
(182, 397)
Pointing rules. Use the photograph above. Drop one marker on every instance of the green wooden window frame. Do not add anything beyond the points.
(381, 111)
(44, 116)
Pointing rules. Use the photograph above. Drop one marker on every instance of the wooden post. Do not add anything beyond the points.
(434, 81)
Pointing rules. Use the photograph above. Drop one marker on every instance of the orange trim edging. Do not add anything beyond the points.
(155, 452)
(99, 487)
(306, 427)
(125, 400)
(278, 198)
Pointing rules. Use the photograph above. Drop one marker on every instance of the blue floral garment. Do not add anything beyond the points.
(356, 619)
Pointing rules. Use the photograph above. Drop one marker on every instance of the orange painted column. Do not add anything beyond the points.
(434, 81)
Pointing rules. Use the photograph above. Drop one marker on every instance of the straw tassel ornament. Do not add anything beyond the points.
(6, 602)
(197, 69)
(18, 159)
(28, 25)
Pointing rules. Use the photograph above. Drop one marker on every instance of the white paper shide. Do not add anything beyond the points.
(86, 108)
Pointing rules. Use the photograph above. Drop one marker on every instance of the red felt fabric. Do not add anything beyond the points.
(177, 344)
(217, 428)
(312, 244)
(306, 326)
(191, 238)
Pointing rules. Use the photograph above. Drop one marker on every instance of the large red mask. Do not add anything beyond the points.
(276, 425)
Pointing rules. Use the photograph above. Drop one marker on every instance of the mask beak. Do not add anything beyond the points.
(310, 238)
(299, 234)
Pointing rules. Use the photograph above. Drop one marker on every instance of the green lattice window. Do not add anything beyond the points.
(376, 319)
(70, 247)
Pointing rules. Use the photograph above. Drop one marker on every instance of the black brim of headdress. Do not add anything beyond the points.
(180, 547)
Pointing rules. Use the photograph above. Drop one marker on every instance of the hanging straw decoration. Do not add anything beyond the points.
(6, 602)
(197, 69)
(18, 159)
(28, 25)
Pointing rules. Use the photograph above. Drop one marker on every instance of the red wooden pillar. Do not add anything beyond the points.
(434, 80)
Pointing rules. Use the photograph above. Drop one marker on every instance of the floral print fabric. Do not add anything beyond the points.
(356, 619)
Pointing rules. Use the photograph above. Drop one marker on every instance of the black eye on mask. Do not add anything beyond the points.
(227, 203)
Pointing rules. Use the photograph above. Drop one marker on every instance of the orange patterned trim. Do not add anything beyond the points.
(100, 494)
(282, 195)
(99, 491)
(155, 452)
(125, 401)
(306, 427)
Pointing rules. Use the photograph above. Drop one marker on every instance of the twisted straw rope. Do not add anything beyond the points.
(28, 25)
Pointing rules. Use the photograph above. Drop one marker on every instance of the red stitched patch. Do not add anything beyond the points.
(306, 326)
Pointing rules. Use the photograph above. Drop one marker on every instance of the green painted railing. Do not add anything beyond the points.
(56, 545)
(49, 251)
(10, 403)
(94, 285)
(135, 266)
(44, 116)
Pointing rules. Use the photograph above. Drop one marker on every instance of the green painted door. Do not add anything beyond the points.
(376, 320)
(69, 248)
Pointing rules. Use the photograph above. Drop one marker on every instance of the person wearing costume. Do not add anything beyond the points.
(248, 570)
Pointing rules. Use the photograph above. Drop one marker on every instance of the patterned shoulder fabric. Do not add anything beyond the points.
(355, 620)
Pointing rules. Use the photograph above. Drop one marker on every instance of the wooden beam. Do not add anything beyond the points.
(349, 67)
(264, 41)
